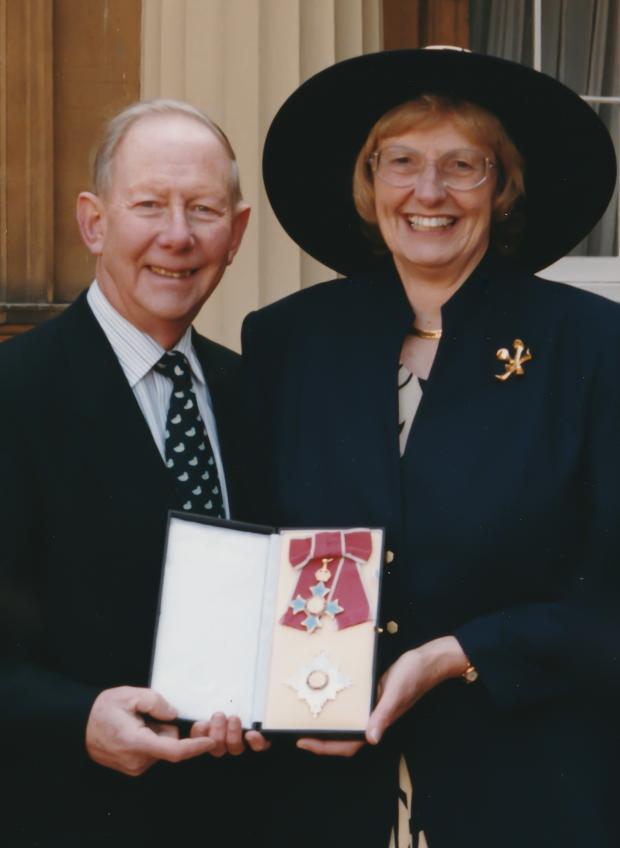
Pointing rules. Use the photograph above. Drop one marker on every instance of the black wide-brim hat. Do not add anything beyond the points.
(314, 139)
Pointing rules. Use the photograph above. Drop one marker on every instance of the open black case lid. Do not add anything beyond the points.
(275, 626)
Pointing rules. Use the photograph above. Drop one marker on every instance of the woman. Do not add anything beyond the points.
(501, 499)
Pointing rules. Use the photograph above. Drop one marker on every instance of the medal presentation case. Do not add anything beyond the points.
(277, 627)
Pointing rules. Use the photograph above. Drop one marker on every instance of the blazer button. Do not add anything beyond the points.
(389, 557)
(392, 627)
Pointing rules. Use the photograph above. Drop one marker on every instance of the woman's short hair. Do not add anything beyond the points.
(472, 120)
(117, 128)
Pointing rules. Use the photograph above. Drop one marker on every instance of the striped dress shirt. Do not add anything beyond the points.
(137, 353)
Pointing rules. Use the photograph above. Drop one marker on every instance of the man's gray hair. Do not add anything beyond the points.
(117, 128)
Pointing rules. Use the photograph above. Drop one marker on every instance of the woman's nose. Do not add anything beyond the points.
(429, 186)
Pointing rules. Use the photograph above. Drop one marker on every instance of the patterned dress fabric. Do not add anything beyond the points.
(189, 455)
(409, 397)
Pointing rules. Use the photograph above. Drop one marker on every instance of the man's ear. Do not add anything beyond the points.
(239, 224)
(91, 221)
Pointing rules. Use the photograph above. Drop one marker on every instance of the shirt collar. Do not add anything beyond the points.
(137, 352)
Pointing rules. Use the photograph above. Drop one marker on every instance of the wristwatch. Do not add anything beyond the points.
(470, 675)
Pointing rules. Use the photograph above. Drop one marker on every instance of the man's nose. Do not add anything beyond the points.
(429, 186)
(176, 234)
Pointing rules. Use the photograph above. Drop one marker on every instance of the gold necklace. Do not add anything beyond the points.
(431, 335)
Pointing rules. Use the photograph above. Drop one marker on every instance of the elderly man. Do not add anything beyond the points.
(111, 415)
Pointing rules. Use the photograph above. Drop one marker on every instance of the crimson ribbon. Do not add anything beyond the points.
(350, 550)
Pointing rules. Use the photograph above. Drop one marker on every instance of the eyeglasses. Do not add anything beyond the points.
(402, 167)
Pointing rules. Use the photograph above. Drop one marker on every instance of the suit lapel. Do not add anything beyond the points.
(116, 441)
(221, 368)
(340, 404)
(388, 315)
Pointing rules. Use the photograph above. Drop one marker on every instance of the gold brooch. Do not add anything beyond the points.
(513, 364)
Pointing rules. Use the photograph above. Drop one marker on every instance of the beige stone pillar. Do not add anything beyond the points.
(239, 60)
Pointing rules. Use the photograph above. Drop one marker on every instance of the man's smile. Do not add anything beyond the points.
(176, 275)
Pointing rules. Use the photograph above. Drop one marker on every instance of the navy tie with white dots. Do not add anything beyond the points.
(189, 455)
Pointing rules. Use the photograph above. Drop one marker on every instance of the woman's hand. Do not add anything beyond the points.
(414, 674)
(330, 747)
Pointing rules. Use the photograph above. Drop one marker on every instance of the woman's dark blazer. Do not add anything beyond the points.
(504, 516)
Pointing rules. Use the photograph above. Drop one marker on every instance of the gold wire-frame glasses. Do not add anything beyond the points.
(462, 169)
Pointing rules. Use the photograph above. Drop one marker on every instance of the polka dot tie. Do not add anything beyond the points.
(189, 455)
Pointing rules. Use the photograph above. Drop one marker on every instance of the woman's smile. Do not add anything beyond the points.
(427, 223)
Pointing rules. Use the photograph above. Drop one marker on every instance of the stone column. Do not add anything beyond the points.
(238, 60)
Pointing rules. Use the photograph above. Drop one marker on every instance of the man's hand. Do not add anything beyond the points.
(128, 730)
(228, 736)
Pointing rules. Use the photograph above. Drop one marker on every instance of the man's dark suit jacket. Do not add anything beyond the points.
(84, 496)
(504, 516)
